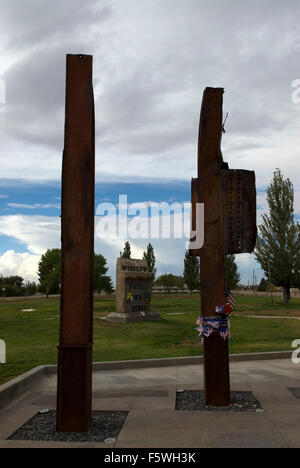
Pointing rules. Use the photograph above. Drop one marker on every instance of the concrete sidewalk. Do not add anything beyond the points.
(149, 394)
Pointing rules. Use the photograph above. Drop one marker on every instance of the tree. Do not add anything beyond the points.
(127, 251)
(49, 271)
(107, 285)
(30, 288)
(263, 286)
(12, 281)
(191, 273)
(278, 243)
(100, 269)
(14, 286)
(170, 281)
(11, 286)
(231, 274)
(102, 282)
(150, 259)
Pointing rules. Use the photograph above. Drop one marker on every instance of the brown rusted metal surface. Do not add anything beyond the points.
(208, 189)
(238, 211)
(74, 393)
(229, 199)
(216, 371)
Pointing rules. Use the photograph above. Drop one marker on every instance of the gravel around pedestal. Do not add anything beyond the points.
(42, 427)
(194, 400)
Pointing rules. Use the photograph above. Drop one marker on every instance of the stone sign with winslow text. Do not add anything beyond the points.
(133, 292)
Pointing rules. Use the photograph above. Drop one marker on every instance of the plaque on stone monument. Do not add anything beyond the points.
(133, 292)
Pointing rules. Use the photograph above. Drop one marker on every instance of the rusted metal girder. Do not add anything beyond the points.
(74, 393)
(229, 200)
(238, 211)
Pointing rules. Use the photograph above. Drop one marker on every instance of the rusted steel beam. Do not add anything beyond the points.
(74, 393)
(238, 211)
(229, 198)
(210, 162)
(207, 189)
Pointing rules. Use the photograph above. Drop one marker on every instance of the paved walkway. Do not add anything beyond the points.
(149, 395)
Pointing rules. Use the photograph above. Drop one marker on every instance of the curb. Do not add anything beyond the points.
(17, 387)
(181, 361)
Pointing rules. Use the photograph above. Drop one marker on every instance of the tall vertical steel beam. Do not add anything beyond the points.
(74, 393)
(229, 198)
(207, 190)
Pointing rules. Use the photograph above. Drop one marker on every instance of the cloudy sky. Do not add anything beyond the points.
(152, 61)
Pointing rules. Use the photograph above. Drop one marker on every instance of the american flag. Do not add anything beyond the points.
(229, 299)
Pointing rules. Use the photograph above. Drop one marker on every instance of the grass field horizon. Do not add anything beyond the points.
(32, 337)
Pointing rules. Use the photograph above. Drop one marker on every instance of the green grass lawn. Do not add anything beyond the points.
(32, 337)
(262, 305)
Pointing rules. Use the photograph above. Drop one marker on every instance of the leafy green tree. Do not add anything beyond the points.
(100, 270)
(263, 286)
(12, 281)
(278, 244)
(14, 286)
(11, 290)
(107, 285)
(102, 282)
(170, 281)
(150, 259)
(30, 288)
(191, 273)
(11, 286)
(231, 274)
(49, 271)
(127, 251)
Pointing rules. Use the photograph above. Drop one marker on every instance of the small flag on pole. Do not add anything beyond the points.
(229, 299)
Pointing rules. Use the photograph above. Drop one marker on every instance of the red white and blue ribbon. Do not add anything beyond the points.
(219, 324)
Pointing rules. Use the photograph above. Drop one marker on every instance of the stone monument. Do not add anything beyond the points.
(133, 292)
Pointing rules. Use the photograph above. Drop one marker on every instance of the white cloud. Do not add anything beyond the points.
(22, 264)
(249, 269)
(152, 61)
(35, 206)
(38, 233)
